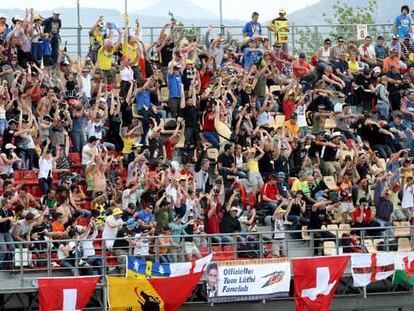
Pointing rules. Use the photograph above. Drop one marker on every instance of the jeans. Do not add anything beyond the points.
(3, 126)
(27, 156)
(222, 239)
(213, 138)
(78, 140)
(384, 110)
(385, 223)
(69, 264)
(297, 222)
(45, 184)
(54, 42)
(383, 150)
(5, 237)
(95, 262)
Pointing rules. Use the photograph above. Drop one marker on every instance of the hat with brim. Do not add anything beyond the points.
(18, 18)
(56, 11)
(336, 134)
(281, 175)
(38, 18)
(117, 211)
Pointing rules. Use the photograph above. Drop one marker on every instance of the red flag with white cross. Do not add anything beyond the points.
(316, 280)
(66, 294)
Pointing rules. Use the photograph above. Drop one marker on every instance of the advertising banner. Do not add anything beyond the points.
(247, 280)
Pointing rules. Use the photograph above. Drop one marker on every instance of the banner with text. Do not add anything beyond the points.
(247, 280)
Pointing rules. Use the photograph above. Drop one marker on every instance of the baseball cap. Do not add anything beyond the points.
(189, 62)
(12, 121)
(234, 208)
(281, 175)
(2, 15)
(18, 18)
(131, 222)
(56, 11)
(336, 134)
(282, 11)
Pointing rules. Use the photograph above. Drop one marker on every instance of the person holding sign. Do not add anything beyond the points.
(280, 26)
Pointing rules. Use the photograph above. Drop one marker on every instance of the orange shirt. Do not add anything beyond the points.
(390, 61)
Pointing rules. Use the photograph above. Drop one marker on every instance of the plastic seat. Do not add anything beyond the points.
(369, 244)
(203, 251)
(404, 245)
(329, 248)
(218, 253)
(344, 228)
(305, 233)
(402, 229)
(229, 252)
(333, 228)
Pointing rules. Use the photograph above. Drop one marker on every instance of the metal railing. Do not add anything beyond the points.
(30, 260)
(302, 38)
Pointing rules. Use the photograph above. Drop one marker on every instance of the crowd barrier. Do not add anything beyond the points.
(78, 37)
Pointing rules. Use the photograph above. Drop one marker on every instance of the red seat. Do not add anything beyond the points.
(218, 254)
(203, 251)
(82, 221)
(269, 250)
(229, 252)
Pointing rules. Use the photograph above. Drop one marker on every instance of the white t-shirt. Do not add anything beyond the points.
(130, 197)
(45, 167)
(408, 197)
(143, 248)
(110, 233)
(172, 191)
(300, 110)
(87, 245)
(126, 74)
(94, 129)
(85, 156)
(86, 85)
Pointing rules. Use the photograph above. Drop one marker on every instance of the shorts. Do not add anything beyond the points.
(347, 207)
(191, 249)
(47, 60)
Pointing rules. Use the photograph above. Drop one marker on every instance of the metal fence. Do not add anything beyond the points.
(22, 267)
(302, 38)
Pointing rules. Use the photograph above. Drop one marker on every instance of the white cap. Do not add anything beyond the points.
(56, 11)
(2, 15)
(10, 146)
(336, 134)
(18, 18)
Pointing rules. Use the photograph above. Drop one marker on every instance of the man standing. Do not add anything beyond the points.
(253, 27)
(6, 222)
(52, 26)
(280, 26)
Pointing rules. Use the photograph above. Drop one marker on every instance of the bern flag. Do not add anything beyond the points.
(316, 280)
(66, 294)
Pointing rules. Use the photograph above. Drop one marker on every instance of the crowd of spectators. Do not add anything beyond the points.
(188, 137)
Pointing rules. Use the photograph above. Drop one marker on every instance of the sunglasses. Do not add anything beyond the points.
(341, 41)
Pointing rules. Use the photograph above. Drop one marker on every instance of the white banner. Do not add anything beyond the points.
(362, 31)
(238, 279)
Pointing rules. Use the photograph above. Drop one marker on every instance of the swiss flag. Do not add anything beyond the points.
(66, 294)
(316, 280)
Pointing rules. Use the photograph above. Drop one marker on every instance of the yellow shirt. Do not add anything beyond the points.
(253, 166)
(105, 59)
(353, 66)
(292, 128)
(131, 52)
(96, 39)
(281, 29)
(128, 142)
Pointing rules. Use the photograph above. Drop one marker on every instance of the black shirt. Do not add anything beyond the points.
(229, 224)
(189, 114)
(317, 219)
(8, 136)
(166, 54)
(265, 164)
(123, 235)
(314, 149)
(5, 226)
(225, 160)
(330, 154)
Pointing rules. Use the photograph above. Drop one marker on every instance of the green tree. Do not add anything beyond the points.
(345, 15)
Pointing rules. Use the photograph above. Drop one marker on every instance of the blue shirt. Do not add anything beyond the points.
(251, 28)
(251, 57)
(380, 52)
(147, 218)
(47, 49)
(403, 24)
(143, 100)
(174, 86)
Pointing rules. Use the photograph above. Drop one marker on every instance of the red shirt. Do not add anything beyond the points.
(288, 107)
(187, 172)
(205, 80)
(298, 72)
(367, 215)
(169, 149)
(213, 223)
(269, 190)
(208, 125)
